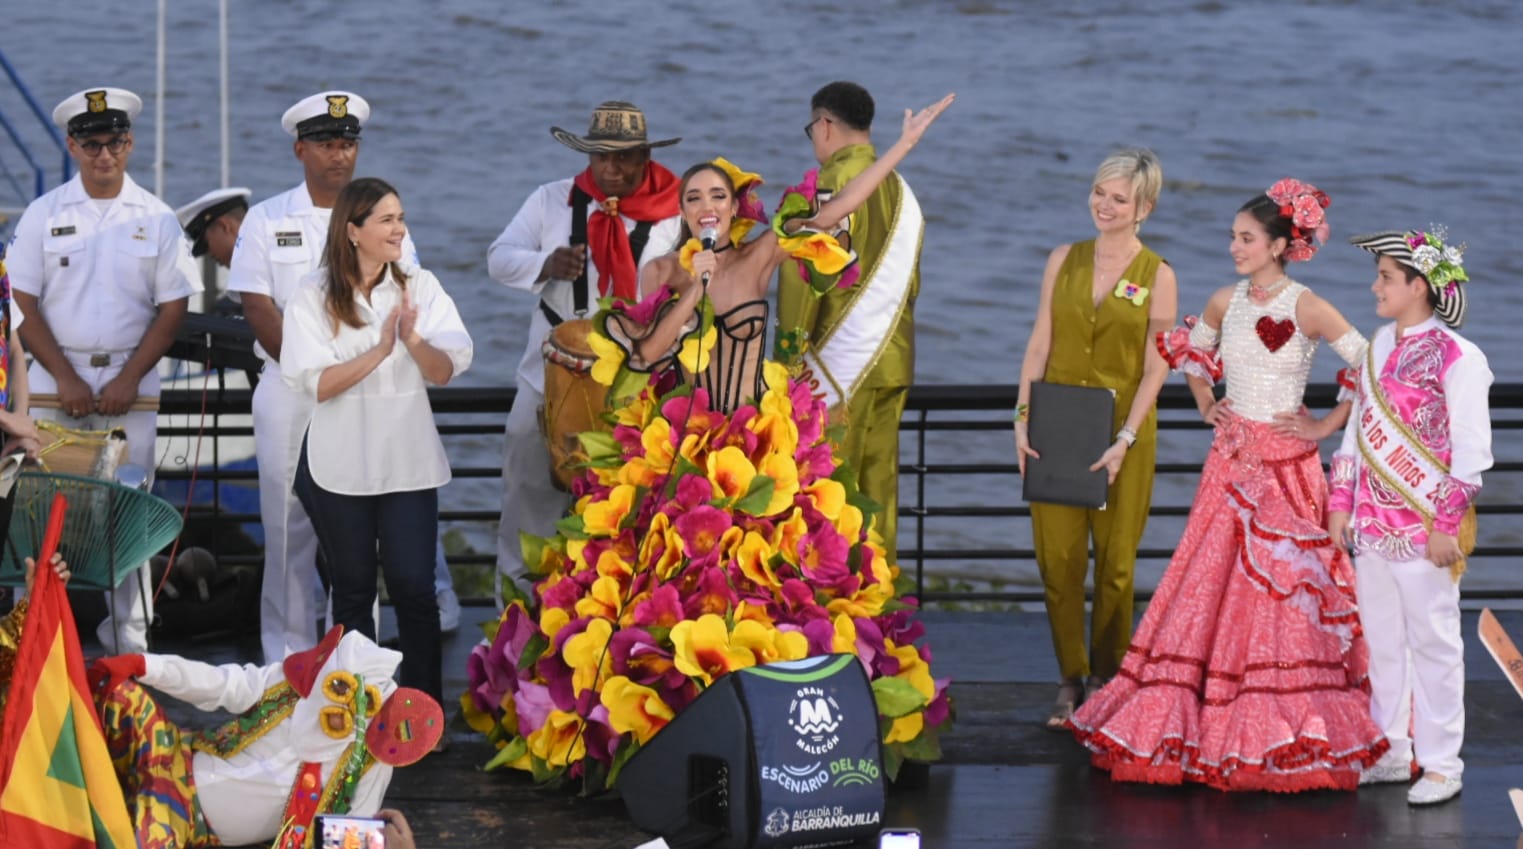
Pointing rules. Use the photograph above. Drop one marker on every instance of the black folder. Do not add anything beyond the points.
(1070, 426)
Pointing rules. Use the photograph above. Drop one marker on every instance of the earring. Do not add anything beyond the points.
(353, 243)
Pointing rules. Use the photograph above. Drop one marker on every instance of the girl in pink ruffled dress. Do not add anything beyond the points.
(1247, 671)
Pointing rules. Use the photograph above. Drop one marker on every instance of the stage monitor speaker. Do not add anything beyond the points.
(782, 755)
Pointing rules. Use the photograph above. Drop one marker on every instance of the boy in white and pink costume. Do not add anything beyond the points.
(1403, 485)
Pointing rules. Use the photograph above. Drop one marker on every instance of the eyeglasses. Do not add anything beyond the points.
(92, 148)
(809, 127)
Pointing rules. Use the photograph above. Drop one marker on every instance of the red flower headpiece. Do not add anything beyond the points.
(1302, 203)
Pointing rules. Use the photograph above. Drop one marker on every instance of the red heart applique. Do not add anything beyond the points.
(1274, 334)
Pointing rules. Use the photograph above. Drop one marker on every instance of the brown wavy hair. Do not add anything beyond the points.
(354, 204)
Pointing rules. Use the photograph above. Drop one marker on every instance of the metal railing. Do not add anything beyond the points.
(39, 173)
(938, 447)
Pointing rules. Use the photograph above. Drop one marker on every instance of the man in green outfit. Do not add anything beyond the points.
(853, 336)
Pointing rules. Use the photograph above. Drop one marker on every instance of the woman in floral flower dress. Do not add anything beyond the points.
(732, 277)
(711, 531)
(1247, 671)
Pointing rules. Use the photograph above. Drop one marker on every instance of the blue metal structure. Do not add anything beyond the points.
(39, 173)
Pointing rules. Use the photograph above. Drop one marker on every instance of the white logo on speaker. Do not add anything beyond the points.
(777, 823)
(797, 779)
(814, 717)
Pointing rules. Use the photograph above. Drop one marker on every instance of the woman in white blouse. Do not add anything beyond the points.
(366, 337)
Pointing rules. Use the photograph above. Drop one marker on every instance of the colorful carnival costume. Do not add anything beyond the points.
(319, 733)
(11, 626)
(1247, 671)
(853, 330)
(713, 530)
(1103, 346)
(1410, 465)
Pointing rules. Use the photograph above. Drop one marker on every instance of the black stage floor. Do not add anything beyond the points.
(1005, 781)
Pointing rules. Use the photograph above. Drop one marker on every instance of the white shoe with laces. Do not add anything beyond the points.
(449, 611)
(1430, 791)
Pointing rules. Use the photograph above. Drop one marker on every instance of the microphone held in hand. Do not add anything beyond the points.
(707, 237)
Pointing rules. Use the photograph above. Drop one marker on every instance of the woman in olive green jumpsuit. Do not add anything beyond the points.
(1102, 303)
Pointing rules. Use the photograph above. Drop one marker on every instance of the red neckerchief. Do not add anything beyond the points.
(653, 200)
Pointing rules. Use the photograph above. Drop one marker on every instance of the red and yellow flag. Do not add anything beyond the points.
(57, 787)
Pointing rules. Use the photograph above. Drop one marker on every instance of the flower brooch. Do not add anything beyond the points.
(1126, 290)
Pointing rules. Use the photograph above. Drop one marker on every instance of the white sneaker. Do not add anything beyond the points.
(449, 611)
(1387, 771)
(1428, 791)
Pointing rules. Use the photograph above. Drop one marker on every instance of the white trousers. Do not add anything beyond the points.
(291, 599)
(531, 503)
(125, 628)
(1411, 616)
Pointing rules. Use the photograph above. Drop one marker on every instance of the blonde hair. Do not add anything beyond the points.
(1141, 168)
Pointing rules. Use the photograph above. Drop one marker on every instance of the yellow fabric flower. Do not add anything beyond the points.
(767, 644)
(731, 472)
(820, 250)
(785, 480)
(602, 518)
(786, 537)
(587, 655)
(829, 497)
(738, 178)
(702, 650)
(552, 620)
(559, 742)
(775, 374)
(849, 522)
(482, 722)
(754, 556)
(695, 349)
(685, 254)
(915, 671)
(750, 610)
(634, 708)
(610, 358)
(602, 601)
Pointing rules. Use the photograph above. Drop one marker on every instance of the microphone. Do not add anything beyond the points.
(707, 238)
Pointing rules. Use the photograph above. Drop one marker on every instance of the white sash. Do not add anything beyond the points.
(835, 366)
(1392, 452)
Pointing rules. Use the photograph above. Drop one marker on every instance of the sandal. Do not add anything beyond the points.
(1093, 685)
(1070, 693)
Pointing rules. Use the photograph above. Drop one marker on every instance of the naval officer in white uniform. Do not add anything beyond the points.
(280, 242)
(103, 274)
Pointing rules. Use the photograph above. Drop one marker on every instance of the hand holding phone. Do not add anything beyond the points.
(344, 832)
(899, 838)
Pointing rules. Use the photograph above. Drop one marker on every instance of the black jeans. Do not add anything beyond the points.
(394, 532)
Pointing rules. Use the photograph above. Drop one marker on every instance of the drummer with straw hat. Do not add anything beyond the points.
(621, 212)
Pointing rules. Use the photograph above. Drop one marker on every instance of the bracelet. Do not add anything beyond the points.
(1128, 436)
(1022, 412)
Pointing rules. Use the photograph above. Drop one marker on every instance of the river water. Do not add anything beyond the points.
(1405, 113)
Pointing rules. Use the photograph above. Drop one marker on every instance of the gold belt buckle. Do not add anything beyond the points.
(100, 360)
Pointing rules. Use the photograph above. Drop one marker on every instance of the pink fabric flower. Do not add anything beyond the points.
(1285, 191)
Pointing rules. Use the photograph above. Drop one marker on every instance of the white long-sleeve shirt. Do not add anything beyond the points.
(377, 436)
(540, 226)
(100, 268)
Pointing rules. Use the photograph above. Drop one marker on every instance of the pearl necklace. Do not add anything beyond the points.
(1262, 294)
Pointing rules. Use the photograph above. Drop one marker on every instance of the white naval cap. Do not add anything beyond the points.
(97, 110)
(197, 215)
(327, 115)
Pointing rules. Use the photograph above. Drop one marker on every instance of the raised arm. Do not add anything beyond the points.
(860, 188)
